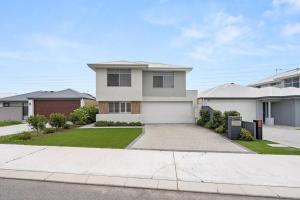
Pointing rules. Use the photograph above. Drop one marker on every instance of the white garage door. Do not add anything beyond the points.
(167, 112)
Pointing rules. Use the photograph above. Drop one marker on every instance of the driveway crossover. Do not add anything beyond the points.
(184, 137)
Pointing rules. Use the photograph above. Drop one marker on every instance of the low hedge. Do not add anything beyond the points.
(111, 123)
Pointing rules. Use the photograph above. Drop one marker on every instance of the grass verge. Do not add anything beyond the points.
(9, 123)
(260, 146)
(94, 137)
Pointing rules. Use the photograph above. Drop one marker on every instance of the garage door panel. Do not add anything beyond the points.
(46, 107)
(167, 112)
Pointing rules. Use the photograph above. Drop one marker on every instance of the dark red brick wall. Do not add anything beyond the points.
(46, 107)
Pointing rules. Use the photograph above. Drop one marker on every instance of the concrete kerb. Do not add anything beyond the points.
(133, 182)
(136, 139)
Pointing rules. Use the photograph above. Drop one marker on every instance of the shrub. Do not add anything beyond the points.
(246, 135)
(49, 130)
(208, 125)
(111, 123)
(57, 120)
(85, 115)
(25, 136)
(67, 126)
(204, 117)
(37, 122)
(229, 113)
(221, 129)
(135, 124)
(217, 119)
(92, 112)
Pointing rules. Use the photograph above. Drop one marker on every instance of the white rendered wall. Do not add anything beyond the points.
(246, 107)
(133, 93)
(119, 117)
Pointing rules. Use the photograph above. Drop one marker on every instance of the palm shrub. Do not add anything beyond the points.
(57, 120)
(92, 112)
(217, 119)
(37, 122)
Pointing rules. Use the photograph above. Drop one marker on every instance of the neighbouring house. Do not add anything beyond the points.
(19, 107)
(142, 91)
(289, 78)
(273, 105)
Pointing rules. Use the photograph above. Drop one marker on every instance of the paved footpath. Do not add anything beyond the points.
(14, 129)
(226, 173)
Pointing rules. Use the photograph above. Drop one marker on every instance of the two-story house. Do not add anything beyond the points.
(142, 91)
(289, 78)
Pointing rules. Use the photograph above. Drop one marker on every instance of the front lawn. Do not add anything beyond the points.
(260, 146)
(93, 137)
(9, 123)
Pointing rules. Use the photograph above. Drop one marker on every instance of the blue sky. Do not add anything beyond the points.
(45, 45)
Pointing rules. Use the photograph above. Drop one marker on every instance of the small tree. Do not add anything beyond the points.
(37, 122)
(57, 120)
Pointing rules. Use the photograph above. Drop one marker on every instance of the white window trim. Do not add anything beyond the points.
(120, 112)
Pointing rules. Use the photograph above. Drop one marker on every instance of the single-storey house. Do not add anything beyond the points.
(19, 107)
(143, 91)
(273, 105)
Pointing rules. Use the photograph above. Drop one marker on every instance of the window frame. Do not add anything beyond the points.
(6, 104)
(292, 82)
(117, 105)
(163, 75)
(119, 73)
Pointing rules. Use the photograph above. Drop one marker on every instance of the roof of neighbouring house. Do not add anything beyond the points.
(232, 90)
(64, 94)
(23, 97)
(277, 77)
(138, 64)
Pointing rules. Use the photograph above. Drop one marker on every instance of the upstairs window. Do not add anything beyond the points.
(119, 77)
(292, 82)
(163, 80)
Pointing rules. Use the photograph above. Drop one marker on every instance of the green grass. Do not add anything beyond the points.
(260, 146)
(93, 137)
(9, 123)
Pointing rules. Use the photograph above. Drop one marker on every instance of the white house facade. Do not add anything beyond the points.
(146, 92)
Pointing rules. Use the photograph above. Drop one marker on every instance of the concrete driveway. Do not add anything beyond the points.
(14, 129)
(184, 137)
(286, 135)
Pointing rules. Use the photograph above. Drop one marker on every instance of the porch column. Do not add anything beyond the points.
(269, 109)
(269, 119)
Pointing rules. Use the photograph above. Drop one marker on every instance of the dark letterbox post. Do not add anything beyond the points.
(234, 127)
(259, 130)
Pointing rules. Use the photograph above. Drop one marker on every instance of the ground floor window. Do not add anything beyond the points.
(119, 107)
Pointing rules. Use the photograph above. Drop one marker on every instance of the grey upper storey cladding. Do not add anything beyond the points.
(179, 89)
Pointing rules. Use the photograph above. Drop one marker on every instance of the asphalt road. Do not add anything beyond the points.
(11, 189)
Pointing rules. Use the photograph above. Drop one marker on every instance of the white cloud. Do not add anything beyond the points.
(280, 7)
(216, 34)
(291, 29)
